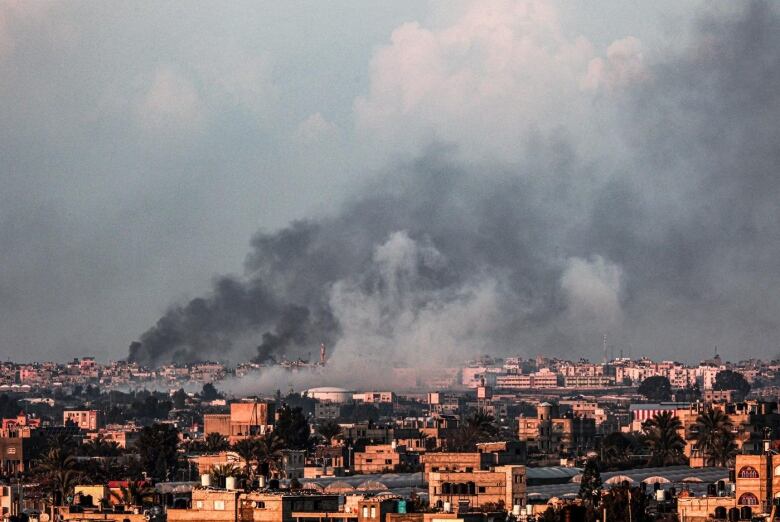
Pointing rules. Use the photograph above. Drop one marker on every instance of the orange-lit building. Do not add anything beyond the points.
(87, 420)
(246, 419)
(502, 486)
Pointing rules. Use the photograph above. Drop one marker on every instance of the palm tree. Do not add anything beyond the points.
(714, 436)
(100, 447)
(58, 469)
(616, 450)
(247, 450)
(662, 437)
(478, 427)
(215, 442)
(269, 453)
(220, 472)
(135, 493)
(329, 430)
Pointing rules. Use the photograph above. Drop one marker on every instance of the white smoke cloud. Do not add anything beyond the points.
(502, 70)
(623, 66)
(396, 315)
(592, 288)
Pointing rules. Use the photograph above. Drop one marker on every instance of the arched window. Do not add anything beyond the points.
(777, 471)
(747, 472)
(748, 499)
(720, 513)
(746, 513)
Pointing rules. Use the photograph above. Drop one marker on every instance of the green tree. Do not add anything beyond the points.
(656, 388)
(220, 472)
(247, 450)
(616, 450)
(135, 493)
(626, 503)
(714, 436)
(477, 427)
(180, 399)
(329, 430)
(590, 485)
(215, 442)
(293, 428)
(209, 392)
(100, 447)
(730, 380)
(57, 470)
(664, 441)
(269, 454)
(157, 447)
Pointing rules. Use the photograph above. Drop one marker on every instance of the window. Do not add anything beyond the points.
(373, 511)
(260, 504)
(365, 511)
(482, 489)
(12, 451)
(748, 472)
(748, 499)
(199, 504)
(219, 505)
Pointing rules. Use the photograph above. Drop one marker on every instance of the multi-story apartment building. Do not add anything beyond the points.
(503, 486)
(551, 434)
(87, 420)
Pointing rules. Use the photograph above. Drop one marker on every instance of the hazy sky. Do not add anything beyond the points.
(142, 144)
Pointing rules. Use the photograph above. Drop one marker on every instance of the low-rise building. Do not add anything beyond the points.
(502, 487)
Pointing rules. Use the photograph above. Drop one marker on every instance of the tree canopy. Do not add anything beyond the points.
(656, 388)
(731, 380)
(292, 428)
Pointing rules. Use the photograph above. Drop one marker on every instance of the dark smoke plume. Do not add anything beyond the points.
(670, 242)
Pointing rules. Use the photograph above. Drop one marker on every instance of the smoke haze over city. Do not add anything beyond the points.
(505, 178)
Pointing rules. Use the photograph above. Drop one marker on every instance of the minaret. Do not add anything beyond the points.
(322, 354)
(605, 348)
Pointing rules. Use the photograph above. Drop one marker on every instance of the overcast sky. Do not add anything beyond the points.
(142, 144)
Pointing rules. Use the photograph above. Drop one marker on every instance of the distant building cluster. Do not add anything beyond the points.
(493, 440)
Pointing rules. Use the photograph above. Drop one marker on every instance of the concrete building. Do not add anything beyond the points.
(11, 497)
(17, 453)
(386, 397)
(216, 505)
(384, 458)
(330, 394)
(549, 433)
(489, 454)
(124, 437)
(246, 419)
(756, 491)
(87, 420)
(503, 486)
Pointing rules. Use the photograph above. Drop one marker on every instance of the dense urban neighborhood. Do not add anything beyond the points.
(496, 439)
